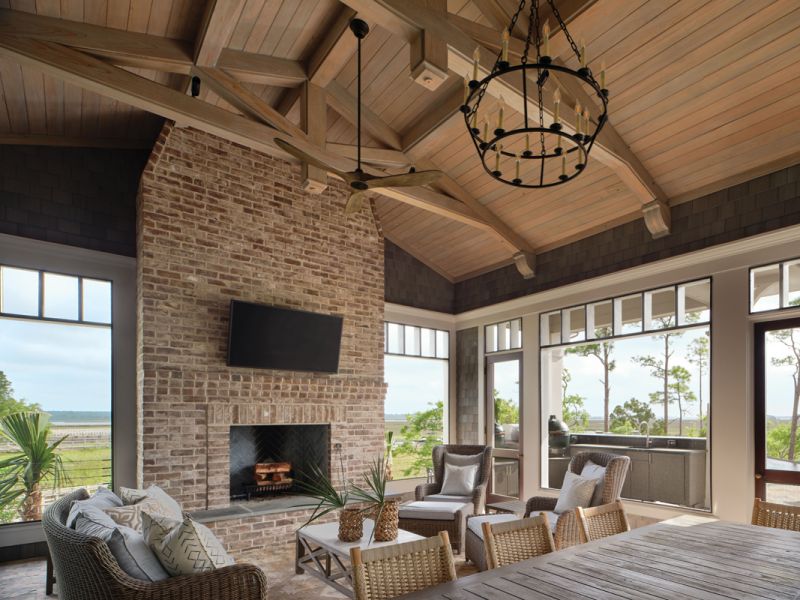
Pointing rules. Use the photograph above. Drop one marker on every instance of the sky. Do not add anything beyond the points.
(60, 367)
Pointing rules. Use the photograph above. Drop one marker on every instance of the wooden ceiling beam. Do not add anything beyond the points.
(314, 121)
(608, 148)
(12, 139)
(216, 27)
(233, 92)
(329, 58)
(436, 117)
(344, 103)
(139, 50)
(97, 76)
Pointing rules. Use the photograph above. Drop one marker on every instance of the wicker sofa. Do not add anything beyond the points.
(567, 528)
(479, 493)
(86, 570)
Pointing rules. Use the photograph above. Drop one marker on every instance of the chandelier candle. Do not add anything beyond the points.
(466, 89)
(546, 39)
(535, 76)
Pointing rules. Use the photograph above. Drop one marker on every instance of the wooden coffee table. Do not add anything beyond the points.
(322, 554)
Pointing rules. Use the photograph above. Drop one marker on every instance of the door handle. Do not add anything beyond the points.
(759, 475)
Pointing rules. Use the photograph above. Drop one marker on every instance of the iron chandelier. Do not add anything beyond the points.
(545, 149)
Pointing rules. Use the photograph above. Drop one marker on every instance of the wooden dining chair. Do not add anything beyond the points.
(778, 516)
(397, 569)
(510, 542)
(602, 521)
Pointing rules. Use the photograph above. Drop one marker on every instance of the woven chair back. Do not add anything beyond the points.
(777, 516)
(602, 521)
(391, 571)
(510, 542)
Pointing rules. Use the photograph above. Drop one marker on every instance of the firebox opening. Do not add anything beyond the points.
(269, 460)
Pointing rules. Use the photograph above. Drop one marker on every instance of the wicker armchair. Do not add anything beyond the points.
(510, 542)
(479, 493)
(778, 516)
(568, 532)
(85, 569)
(398, 569)
(602, 521)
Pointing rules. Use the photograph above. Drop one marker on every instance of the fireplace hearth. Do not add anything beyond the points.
(270, 460)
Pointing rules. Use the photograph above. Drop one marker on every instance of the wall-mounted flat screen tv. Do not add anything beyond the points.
(266, 337)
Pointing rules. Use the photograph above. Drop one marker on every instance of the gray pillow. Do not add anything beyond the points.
(461, 460)
(459, 480)
(91, 520)
(133, 496)
(103, 498)
(134, 555)
(576, 491)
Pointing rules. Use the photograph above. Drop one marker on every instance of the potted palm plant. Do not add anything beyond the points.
(373, 495)
(319, 486)
(23, 473)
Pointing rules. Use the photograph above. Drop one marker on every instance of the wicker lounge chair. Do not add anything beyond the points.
(778, 516)
(86, 570)
(602, 521)
(510, 542)
(391, 571)
(479, 493)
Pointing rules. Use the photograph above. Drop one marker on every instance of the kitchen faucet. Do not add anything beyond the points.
(647, 440)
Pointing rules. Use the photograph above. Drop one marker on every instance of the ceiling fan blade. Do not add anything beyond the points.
(405, 179)
(307, 158)
(354, 203)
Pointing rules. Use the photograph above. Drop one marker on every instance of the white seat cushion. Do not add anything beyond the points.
(475, 524)
(448, 498)
(432, 511)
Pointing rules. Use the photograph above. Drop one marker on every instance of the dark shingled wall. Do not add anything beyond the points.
(760, 205)
(412, 283)
(77, 196)
(467, 397)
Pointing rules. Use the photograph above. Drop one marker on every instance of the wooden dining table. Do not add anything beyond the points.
(687, 557)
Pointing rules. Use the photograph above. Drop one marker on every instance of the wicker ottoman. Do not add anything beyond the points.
(427, 519)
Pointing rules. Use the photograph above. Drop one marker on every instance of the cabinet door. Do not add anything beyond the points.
(639, 476)
(668, 478)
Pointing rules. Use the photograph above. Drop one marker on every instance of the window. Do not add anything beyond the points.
(416, 369)
(55, 358)
(630, 375)
(774, 287)
(503, 336)
(417, 373)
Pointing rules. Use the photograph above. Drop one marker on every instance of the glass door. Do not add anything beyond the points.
(777, 398)
(503, 420)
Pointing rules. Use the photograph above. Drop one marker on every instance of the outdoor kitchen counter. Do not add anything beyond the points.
(671, 475)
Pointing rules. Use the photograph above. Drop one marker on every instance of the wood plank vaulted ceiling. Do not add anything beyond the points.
(704, 94)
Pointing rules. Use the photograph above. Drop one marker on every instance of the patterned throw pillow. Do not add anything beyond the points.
(131, 515)
(184, 547)
(132, 496)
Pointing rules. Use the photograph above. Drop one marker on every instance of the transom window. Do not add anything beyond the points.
(775, 286)
(47, 296)
(503, 336)
(663, 308)
(409, 340)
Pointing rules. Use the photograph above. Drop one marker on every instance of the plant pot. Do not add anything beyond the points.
(386, 521)
(351, 525)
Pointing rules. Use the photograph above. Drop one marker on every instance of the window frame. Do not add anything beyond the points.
(781, 287)
(511, 348)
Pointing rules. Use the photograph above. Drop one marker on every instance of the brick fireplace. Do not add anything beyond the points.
(217, 221)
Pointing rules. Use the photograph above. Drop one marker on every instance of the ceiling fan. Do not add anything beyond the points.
(358, 180)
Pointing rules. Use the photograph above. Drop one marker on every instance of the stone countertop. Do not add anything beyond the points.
(638, 449)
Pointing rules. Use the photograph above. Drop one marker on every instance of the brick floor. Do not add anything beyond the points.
(25, 579)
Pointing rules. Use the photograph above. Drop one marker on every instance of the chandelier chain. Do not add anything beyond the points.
(539, 82)
(563, 27)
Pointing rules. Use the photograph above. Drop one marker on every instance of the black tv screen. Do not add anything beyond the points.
(265, 337)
